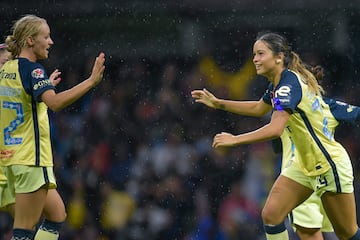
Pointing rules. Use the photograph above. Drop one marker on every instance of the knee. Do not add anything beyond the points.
(347, 232)
(269, 216)
(58, 216)
(63, 216)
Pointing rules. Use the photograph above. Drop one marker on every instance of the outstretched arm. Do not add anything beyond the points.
(343, 112)
(248, 108)
(58, 101)
(270, 131)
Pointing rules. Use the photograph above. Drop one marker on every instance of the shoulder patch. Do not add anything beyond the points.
(37, 73)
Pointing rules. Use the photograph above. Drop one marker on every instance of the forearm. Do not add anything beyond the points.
(246, 108)
(262, 134)
(270, 131)
(59, 101)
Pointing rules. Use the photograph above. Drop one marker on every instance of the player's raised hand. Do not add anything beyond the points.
(98, 69)
(54, 77)
(205, 97)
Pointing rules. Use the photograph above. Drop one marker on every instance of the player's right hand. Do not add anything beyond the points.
(204, 97)
(98, 69)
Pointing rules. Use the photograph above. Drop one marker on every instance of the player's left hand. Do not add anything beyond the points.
(224, 140)
(205, 97)
(54, 77)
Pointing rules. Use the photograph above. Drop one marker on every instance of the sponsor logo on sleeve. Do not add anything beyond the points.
(281, 97)
(283, 91)
(41, 84)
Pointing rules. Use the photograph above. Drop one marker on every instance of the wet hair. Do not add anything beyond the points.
(28, 25)
(317, 71)
(278, 44)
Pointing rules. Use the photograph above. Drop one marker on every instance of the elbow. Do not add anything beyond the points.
(277, 133)
(52, 101)
(262, 114)
(261, 111)
(55, 108)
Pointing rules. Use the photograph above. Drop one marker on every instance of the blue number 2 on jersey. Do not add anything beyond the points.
(14, 123)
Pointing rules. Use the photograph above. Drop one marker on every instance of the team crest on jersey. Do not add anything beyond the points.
(37, 73)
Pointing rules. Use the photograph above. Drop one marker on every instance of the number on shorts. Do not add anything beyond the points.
(322, 181)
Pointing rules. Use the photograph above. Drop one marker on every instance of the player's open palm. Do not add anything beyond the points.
(98, 69)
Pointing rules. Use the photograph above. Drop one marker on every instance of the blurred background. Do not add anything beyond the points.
(133, 157)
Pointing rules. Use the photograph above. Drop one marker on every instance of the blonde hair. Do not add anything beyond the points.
(292, 61)
(28, 25)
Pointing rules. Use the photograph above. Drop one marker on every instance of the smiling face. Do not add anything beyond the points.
(263, 58)
(266, 63)
(42, 42)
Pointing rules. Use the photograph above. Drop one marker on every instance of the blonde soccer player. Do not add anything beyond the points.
(25, 147)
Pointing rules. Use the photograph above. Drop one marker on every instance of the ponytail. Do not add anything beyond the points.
(12, 47)
(308, 75)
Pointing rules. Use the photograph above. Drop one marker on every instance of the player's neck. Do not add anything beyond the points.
(28, 54)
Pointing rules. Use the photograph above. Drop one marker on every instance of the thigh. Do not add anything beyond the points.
(341, 210)
(30, 185)
(337, 195)
(54, 209)
(28, 208)
(284, 196)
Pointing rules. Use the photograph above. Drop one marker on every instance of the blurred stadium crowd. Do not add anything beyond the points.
(133, 158)
(134, 161)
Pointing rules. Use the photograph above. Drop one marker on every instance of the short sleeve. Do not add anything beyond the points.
(34, 78)
(267, 95)
(343, 112)
(288, 93)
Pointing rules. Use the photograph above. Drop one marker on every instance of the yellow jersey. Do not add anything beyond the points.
(24, 122)
(310, 127)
